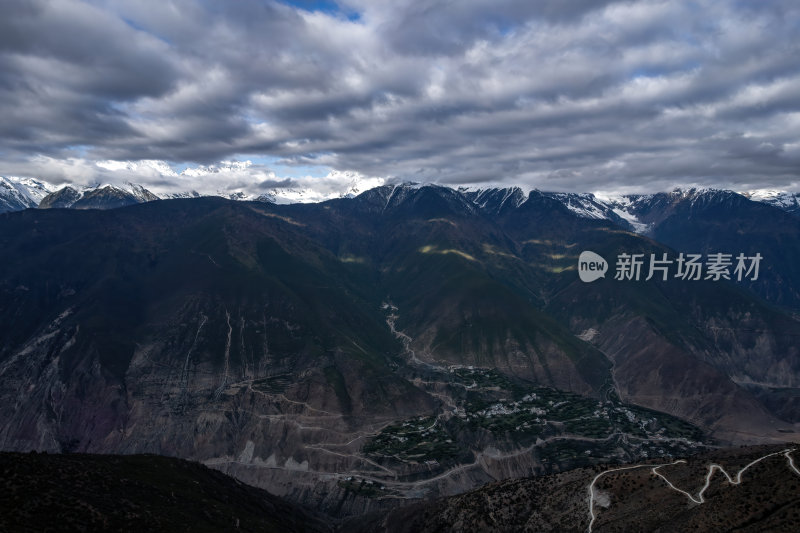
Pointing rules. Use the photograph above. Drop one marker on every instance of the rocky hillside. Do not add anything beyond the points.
(764, 496)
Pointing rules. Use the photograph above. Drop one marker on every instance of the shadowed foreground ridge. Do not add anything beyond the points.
(80, 492)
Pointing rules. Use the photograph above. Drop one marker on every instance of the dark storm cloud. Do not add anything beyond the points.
(431, 27)
(573, 95)
(277, 184)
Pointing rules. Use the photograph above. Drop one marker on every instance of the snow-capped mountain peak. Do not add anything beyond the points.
(97, 196)
(585, 205)
(788, 201)
(22, 193)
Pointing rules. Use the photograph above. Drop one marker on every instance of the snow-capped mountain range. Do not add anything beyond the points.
(636, 212)
(642, 212)
(22, 193)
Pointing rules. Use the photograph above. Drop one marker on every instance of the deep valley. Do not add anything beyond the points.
(360, 354)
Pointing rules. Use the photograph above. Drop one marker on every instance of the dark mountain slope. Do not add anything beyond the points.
(62, 198)
(77, 492)
(708, 221)
(462, 294)
(722, 221)
(183, 281)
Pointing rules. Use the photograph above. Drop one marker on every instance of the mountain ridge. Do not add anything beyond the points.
(21, 193)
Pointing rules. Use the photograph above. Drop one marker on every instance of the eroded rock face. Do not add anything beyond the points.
(252, 414)
(207, 385)
(661, 376)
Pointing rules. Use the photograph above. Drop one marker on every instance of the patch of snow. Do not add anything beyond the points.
(583, 205)
(637, 225)
(778, 198)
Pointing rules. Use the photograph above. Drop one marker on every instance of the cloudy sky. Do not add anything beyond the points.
(572, 95)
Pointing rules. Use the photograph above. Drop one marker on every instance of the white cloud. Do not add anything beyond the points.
(225, 178)
(542, 94)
